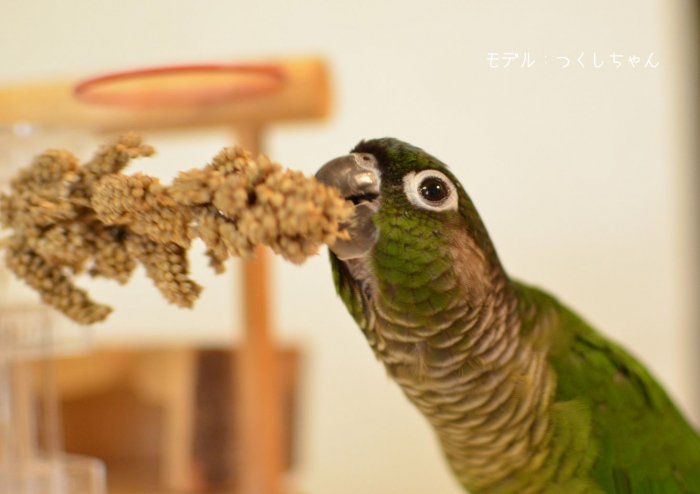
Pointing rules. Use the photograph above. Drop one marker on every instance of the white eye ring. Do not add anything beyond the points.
(413, 187)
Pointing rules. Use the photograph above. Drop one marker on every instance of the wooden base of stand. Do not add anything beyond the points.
(161, 419)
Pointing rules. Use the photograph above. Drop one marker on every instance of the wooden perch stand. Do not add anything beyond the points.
(248, 97)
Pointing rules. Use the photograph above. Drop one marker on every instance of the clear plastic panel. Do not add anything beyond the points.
(63, 474)
(31, 458)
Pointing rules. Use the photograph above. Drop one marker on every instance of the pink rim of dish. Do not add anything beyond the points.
(265, 78)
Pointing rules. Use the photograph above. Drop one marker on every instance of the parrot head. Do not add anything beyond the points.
(414, 225)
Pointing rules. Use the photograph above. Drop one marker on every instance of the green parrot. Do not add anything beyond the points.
(523, 394)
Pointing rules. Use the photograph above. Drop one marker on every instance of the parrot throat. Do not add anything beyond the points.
(447, 327)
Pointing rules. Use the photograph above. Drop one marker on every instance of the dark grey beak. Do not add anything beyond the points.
(357, 177)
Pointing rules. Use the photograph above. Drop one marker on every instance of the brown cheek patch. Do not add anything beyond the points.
(470, 265)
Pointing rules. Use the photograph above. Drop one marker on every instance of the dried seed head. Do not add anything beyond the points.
(64, 217)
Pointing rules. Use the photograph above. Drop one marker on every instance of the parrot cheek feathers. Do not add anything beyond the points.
(362, 230)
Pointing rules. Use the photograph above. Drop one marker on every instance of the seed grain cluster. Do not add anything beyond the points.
(65, 219)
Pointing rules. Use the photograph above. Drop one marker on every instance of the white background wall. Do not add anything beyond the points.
(581, 174)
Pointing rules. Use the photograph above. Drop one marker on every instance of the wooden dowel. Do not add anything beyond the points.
(260, 413)
(178, 470)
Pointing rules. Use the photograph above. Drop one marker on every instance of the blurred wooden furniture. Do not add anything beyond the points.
(303, 94)
(164, 413)
(195, 96)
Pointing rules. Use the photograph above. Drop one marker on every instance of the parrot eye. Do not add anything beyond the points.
(430, 189)
(433, 189)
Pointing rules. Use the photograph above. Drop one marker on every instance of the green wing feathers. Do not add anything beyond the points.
(641, 442)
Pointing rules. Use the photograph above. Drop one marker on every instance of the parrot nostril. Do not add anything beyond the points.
(366, 158)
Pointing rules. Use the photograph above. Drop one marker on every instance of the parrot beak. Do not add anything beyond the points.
(357, 177)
